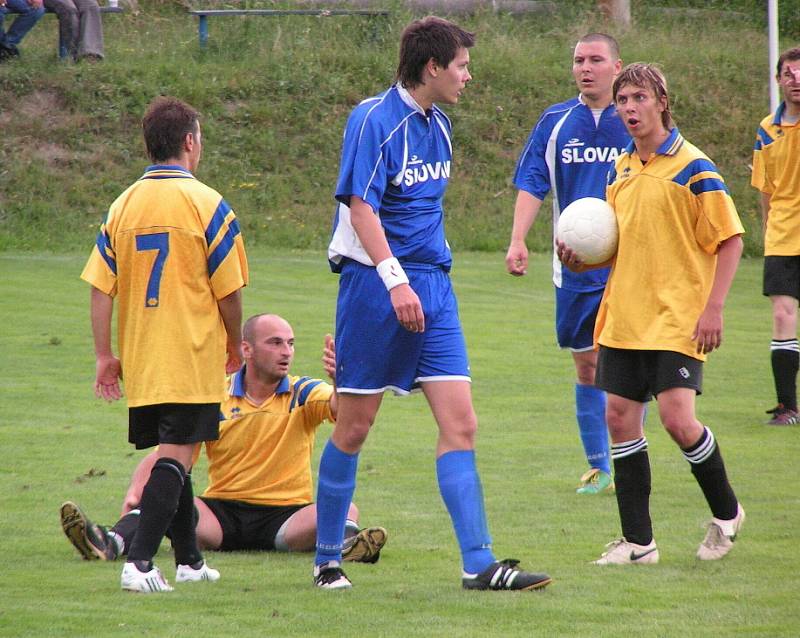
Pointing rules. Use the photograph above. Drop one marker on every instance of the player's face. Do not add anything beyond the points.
(272, 350)
(640, 110)
(448, 83)
(789, 79)
(594, 70)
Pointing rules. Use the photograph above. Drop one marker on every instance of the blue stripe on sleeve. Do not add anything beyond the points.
(757, 145)
(217, 220)
(306, 391)
(104, 246)
(708, 184)
(693, 168)
(765, 137)
(223, 248)
(297, 386)
(612, 175)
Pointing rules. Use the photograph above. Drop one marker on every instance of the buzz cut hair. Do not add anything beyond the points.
(611, 42)
(790, 55)
(165, 125)
(427, 39)
(646, 76)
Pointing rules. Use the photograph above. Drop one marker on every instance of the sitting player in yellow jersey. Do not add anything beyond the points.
(260, 487)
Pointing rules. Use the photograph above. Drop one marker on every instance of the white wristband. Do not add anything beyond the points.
(392, 273)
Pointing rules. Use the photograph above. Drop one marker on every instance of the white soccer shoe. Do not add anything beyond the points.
(188, 574)
(330, 576)
(720, 536)
(621, 552)
(143, 582)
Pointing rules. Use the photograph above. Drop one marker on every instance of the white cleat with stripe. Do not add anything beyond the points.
(188, 574)
(151, 582)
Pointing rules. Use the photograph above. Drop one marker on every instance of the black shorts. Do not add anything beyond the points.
(782, 276)
(248, 526)
(180, 423)
(639, 375)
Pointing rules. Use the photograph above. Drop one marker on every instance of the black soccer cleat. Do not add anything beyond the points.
(505, 575)
(91, 540)
(330, 576)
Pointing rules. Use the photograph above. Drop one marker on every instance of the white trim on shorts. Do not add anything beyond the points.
(578, 349)
(443, 377)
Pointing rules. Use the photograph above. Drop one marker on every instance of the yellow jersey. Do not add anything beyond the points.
(169, 249)
(776, 171)
(673, 213)
(263, 454)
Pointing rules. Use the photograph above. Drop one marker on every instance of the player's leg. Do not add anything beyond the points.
(621, 373)
(208, 529)
(575, 317)
(676, 406)
(782, 285)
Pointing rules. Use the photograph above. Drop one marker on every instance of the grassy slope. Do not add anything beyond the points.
(58, 443)
(275, 94)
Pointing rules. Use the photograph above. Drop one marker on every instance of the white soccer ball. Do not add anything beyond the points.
(588, 226)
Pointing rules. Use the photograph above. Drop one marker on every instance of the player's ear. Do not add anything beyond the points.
(247, 350)
(433, 67)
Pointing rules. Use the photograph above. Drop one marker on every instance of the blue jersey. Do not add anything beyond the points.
(396, 157)
(570, 154)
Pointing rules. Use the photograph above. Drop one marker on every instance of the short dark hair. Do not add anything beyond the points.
(790, 55)
(613, 45)
(426, 39)
(165, 125)
(647, 76)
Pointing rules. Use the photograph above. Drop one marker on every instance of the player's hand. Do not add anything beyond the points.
(408, 308)
(329, 357)
(108, 372)
(567, 257)
(517, 258)
(234, 360)
(708, 331)
(131, 502)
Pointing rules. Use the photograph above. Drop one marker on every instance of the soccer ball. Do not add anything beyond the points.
(588, 226)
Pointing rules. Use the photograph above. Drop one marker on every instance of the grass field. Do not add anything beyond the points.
(59, 443)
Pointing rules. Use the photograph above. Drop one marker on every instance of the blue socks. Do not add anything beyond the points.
(590, 405)
(336, 484)
(461, 491)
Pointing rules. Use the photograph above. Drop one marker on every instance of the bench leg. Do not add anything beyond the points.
(202, 30)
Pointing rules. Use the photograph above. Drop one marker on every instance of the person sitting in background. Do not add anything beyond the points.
(30, 11)
(80, 27)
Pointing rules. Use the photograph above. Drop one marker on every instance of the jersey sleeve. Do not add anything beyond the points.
(314, 398)
(717, 218)
(531, 174)
(226, 257)
(759, 177)
(101, 269)
(362, 170)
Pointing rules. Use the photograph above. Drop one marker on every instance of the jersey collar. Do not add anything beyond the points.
(779, 114)
(408, 100)
(669, 146)
(238, 389)
(166, 171)
(582, 101)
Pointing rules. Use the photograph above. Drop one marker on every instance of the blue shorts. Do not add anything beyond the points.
(575, 316)
(375, 353)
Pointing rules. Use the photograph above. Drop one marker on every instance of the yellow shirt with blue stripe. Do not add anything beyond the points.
(263, 454)
(169, 249)
(776, 171)
(673, 213)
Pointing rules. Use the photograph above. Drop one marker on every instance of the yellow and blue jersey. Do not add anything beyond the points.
(169, 249)
(263, 454)
(396, 157)
(569, 154)
(673, 213)
(776, 171)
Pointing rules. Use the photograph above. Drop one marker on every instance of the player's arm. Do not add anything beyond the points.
(708, 331)
(567, 257)
(329, 363)
(230, 308)
(526, 209)
(139, 479)
(108, 371)
(370, 233)
(765, 199)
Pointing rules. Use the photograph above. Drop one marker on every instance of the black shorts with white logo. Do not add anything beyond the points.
(179, 423)
(639, 375)
(248, 526)
(782, 276)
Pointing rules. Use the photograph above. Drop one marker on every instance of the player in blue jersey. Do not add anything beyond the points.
(569, 153)
(397, 323)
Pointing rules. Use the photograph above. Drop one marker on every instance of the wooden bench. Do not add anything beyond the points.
(62, 49)
(204, 14)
